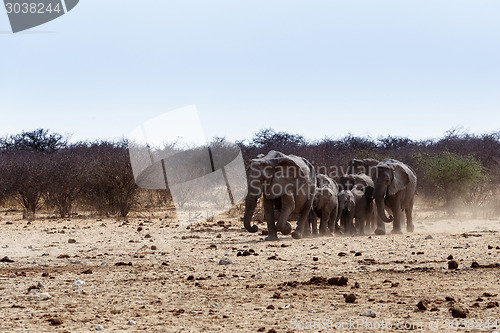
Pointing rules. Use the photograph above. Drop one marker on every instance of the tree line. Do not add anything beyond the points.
(40, 169)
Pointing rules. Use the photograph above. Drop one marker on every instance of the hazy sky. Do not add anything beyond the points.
(317, 68)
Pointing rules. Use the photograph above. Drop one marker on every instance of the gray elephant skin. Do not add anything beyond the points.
(366, 166)
(395, 186)
(356, 203)
(325, 205)
(285, 182)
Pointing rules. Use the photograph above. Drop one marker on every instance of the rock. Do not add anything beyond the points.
(429, 237)
(39, 285)
(148, 236)
(139, 229)
(350, 298)
(71, 241)
(450, 257)
(370, 314)
(338, 281)
(272, 330)
(78, 283)
(153, 248)
(277, 295)
(55, 321)
(490, 247)
(423, 305)
(315, 259)
(493, 304)
(87, 271)
(131, 322)
(452, 264)
(356, 285)
(190, 278)
(43, 296)
(6, 259)
(270, 307)
(458, 311)
(342, 254)
(99, 328)
(121, 263)
(358, 254)
(449, 299)
(225, 261)
(474, 265)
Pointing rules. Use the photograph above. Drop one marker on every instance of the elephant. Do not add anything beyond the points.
(395, 186)
(356, 204)
(366, 166)
(325, 205)
(286, 182)
(347, 182)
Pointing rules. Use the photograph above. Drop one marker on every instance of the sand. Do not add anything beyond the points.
(149, 274)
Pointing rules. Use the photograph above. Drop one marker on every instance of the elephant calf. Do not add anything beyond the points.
(356, 204)
(325, 205)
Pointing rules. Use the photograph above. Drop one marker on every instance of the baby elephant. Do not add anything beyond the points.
(325, 205)
(355, 204)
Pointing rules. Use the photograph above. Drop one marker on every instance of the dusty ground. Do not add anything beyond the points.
(167, 278)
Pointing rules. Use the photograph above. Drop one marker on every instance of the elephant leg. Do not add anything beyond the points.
(325, 219)
(396, 226)
(380, 226)
(269, 217)
(287, 207)
(332, 225)
(409, 217)
(349, 228)
(361, 225)
(312, 224)
(299, 231)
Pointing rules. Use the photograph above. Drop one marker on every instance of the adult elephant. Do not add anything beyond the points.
(395, 186)
(287, 182)
(325, 205)
(348, 182)
(366, 166)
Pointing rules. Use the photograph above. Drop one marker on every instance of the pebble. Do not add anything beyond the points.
(225, 261)
(131, 322)
(370, 314)
(42, 296)
(71, 241)
(429, 237)
(350, 298)
(452, 264)
(78, 283)
(459, 311)
(423, 305)
(99, 328)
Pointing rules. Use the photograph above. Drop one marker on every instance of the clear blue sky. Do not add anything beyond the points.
(317, 68)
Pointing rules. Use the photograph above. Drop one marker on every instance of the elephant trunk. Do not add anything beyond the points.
(250, 204)
(380, 201)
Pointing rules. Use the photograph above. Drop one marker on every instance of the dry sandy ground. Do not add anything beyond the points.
(167, 278)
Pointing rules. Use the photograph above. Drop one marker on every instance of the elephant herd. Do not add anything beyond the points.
(354, 203)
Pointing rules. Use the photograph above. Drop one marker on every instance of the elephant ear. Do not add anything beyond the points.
(369, 193)
(400, 180)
